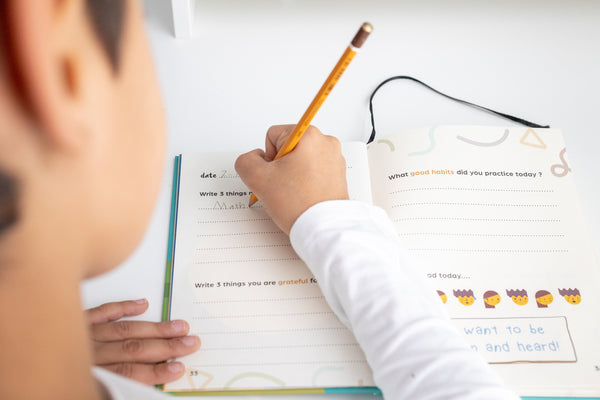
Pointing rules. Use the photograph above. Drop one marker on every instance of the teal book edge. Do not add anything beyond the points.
(171, 244)
(167, 298)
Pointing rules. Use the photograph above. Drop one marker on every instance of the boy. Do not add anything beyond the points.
(80, 120)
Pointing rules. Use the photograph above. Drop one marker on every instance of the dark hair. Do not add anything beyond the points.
(568, 292)
(488, 294)
(107, 20)
(8, 202)
(541, 293)
(516, 292)
(464, 292)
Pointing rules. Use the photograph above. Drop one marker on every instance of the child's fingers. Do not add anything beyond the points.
(121, 330)
(144, 350)
(276, 137)
(150, 374)
(112, 311)
(250, 167)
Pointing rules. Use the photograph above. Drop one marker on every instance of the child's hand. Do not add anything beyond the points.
(134, 348)
(313, 172)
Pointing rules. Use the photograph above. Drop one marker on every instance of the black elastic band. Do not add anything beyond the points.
(509, 117)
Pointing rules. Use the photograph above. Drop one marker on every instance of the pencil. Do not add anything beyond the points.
(326, 88)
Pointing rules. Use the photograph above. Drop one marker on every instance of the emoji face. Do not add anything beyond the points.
(520, 300)
(466, 300)
(442, 296)
(492, 300)
(545, 300)
(573, 299)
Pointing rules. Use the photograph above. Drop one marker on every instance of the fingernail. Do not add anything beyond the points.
(179, 325)
(175, 367)
(189, 340)
(141, 301)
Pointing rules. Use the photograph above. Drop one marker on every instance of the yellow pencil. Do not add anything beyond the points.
(330, 82)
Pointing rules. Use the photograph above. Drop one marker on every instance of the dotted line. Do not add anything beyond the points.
(229, 209)
(241, 233)
(266, 315)
(234, 220)
(258, 300)
(476, 219)
(479, 234)
(243, 247)
(298, 346)
(270, 331)
(247, 261)
(490, 250)
(285, 363)
(475, 190)
(474, 204)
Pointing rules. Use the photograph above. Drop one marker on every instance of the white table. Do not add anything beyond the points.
(252, 64)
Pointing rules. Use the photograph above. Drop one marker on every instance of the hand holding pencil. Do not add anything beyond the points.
(326, 88)
(314, 172)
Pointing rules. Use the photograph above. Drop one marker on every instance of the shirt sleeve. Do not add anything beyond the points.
(371, 284)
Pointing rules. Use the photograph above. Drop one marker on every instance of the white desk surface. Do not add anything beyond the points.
(257, 63)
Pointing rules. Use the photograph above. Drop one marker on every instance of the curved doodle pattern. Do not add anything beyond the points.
(321, 370)
(564, 166)
(191, 379)
(236, 378)
(431, 144)
(388, 142)
(484, 144)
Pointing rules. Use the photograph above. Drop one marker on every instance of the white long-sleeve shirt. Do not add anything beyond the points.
(370, 283)
(397, 319)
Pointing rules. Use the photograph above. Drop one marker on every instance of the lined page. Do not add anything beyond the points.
(257, 308)
(492, 218)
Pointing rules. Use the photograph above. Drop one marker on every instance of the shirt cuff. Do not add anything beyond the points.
(338, 214)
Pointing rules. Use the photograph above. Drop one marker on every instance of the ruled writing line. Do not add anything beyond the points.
(266, 315)
(258, 300)
(473, 204)
(474, 190)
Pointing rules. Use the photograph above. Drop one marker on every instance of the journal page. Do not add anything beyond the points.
(491, 217)
(262, 319)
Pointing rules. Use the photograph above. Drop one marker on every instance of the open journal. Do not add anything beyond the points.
(491, 216)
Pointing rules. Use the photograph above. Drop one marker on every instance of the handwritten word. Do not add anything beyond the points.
(222, 205)
(226, 174)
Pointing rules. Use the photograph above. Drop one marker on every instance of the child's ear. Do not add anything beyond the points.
(47, 51)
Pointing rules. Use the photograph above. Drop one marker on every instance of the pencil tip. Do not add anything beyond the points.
(251, 202)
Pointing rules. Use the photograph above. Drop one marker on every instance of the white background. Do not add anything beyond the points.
(255, 63)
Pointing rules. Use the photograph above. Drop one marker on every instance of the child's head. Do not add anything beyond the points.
(81, 129)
